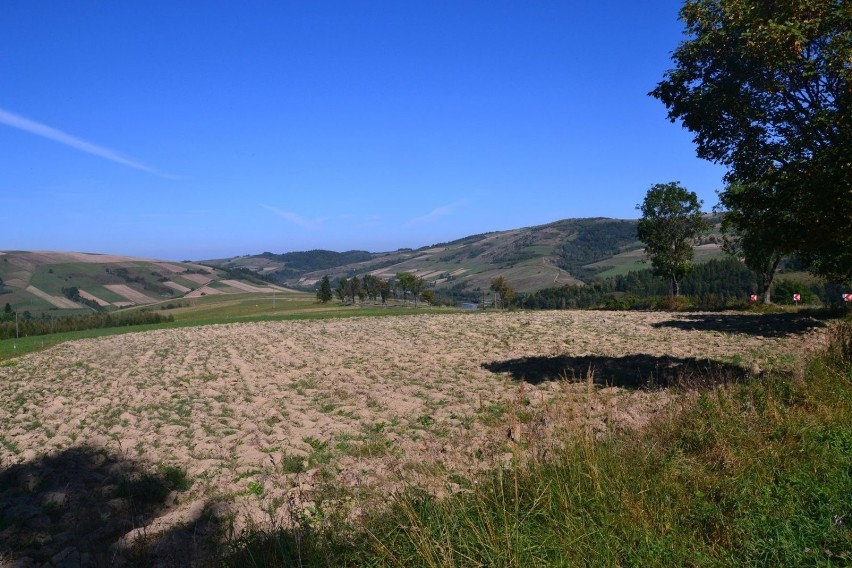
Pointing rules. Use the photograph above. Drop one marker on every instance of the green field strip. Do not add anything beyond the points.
(623, 269)
(104, 293)
(184, 282)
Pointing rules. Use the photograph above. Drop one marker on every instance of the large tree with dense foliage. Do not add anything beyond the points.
(670, 226)
(765, 87)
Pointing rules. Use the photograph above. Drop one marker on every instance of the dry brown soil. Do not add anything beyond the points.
(260, 414)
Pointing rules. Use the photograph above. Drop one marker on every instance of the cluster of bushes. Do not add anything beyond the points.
(28, 326)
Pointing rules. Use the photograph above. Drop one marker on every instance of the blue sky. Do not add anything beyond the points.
(197, 130)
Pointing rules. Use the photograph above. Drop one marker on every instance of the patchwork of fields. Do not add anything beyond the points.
(43, 282)
(259, 415)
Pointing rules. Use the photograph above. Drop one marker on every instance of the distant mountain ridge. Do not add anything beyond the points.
(570, 251)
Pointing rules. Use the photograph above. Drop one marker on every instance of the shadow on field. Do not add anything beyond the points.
(630, 371)
(73, 507)
(762, 325)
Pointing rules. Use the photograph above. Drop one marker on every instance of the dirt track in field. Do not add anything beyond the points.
(259, 414)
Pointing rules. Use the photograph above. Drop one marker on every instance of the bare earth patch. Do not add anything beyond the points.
(203, 291)
(259, 414)
(198, 278)
(244, 286)
(58, 301)
(175, 286)
(133, 295)
(171, 267)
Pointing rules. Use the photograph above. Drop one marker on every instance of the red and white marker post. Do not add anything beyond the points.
(797, 298)
(847, 297)
(753, 297)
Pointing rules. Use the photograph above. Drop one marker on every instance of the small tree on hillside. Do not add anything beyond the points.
(505, 293)
(417, 287)
(405, 282)
(384, 290)
(354, 288)
(324, 293)
(670, 226)
(342, 289)
(371, 286)
(428, 296)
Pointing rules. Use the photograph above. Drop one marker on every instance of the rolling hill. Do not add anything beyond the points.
(571, 251)
(72, 282)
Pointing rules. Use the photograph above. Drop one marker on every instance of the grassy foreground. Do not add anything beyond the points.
(755, 473)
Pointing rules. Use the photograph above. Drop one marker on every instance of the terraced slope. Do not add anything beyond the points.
(61, 283)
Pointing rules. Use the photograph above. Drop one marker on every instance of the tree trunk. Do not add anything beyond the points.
(675, 287)
(766, 280)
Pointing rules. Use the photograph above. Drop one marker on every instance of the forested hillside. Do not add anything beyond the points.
(567, 252)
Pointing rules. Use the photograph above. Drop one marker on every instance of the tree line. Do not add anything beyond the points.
(29, 326)
(369, 287)
(405, 286)
(716, 284)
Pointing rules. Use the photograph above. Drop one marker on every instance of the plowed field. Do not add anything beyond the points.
(259, 414)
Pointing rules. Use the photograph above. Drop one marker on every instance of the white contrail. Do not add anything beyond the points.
(295, 218)
(437, 213)
(33, 127)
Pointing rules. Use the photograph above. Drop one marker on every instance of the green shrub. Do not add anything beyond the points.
(674, 304)
(292, 464)
(175, 477)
